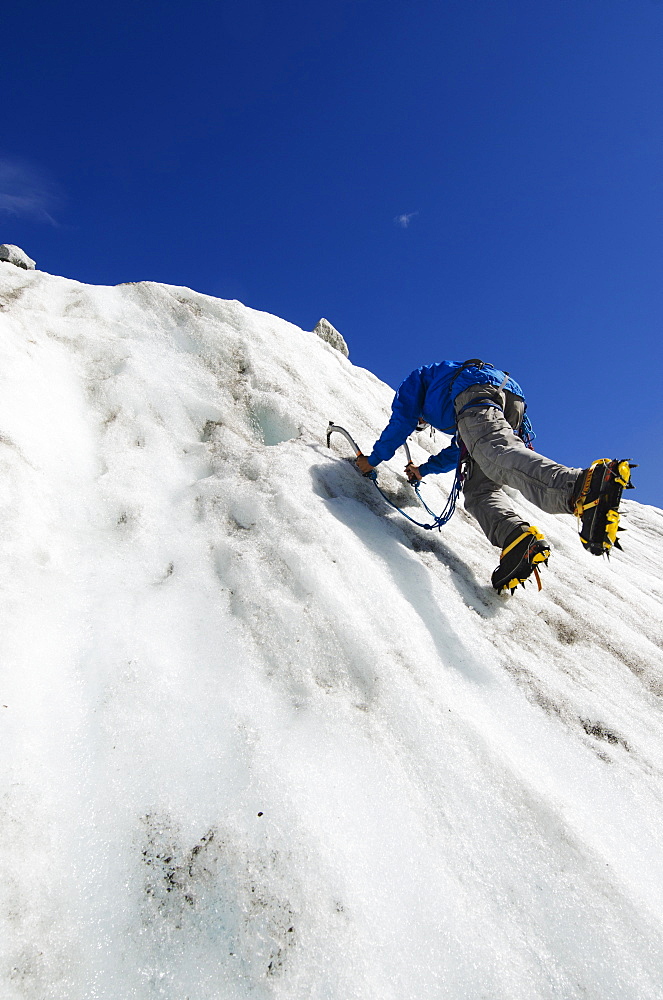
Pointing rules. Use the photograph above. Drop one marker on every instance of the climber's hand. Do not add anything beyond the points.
(413, 474)
(363, 465)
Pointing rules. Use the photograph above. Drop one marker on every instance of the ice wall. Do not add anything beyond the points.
(262, 738)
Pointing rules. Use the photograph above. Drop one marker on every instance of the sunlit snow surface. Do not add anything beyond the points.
(263, 738)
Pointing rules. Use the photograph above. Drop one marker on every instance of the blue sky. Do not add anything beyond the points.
(439, 178)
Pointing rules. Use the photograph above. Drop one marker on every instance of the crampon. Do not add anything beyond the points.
(597, 504)
(525, 552)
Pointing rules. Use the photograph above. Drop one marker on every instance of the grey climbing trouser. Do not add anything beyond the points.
(498, 457)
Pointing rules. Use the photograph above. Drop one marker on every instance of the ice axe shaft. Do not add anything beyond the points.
(335, 428)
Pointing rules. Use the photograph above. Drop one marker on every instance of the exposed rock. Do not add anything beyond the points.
(325, 330)
(14, 255)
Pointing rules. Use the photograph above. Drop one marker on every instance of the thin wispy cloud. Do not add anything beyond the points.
(404, 220)
(26, 192)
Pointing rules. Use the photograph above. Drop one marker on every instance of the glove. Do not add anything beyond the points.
(413, 474)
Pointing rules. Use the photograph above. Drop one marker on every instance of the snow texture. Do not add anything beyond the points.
(14, 255)
(263, 738)
(327, 332)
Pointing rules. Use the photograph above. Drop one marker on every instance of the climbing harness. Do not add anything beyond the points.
(471, 363)
(438, 519)
(525, 432)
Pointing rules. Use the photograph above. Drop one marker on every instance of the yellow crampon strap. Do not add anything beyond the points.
(611, 528)
(612, 516)
(529, 531)
(624, 469)
(540, 557)
(580, 506)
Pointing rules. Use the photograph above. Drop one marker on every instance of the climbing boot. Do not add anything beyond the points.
(525, 550)
(596, 503)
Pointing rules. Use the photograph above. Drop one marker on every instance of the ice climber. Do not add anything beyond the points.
(484, 408)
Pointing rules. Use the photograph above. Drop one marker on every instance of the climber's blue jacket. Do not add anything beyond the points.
(428, 394)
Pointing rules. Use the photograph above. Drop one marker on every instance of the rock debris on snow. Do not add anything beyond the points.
(330, 334)
(14, 255)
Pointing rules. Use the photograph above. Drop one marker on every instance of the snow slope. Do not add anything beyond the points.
(263, 738)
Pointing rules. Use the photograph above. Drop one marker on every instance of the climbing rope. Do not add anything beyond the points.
(438, 519)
